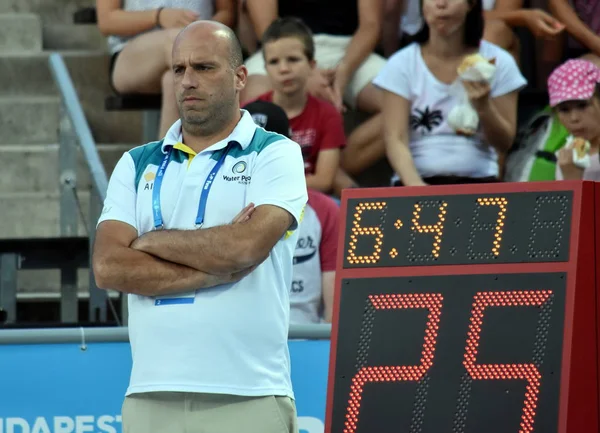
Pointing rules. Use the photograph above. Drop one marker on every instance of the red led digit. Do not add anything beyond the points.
(397, 373)
(528, 372)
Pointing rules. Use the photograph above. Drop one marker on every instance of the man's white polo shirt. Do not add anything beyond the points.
(231, 339)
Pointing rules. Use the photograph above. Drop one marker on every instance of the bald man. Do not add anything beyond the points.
(199, 229)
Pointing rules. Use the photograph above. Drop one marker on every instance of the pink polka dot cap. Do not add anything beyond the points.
(574, 80)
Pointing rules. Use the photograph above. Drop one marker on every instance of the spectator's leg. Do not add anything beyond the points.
(144, 66)
(499, 33)
(592, 58)
(341, 182)
(258, 81)
(365, 144)
(169, 112)
(139, 68)
(245, 31)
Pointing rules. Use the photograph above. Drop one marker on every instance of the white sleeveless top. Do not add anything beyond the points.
(204, 8)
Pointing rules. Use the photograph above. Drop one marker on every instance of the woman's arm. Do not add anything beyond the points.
(562, 10)
(396, 112)
(497, 116)
(499, 121)
(113, 20)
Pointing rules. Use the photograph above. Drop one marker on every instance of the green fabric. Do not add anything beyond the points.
(143, 156)
(151, 153)
(541, 168)
(261, 140)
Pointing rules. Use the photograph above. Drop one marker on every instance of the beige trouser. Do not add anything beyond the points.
(179, 412)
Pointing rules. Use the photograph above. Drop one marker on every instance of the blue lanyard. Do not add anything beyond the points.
(158, 221)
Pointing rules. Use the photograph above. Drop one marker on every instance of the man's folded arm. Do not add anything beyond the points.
(117, 266)
(223, 249)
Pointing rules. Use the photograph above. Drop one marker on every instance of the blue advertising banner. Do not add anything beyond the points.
(60, 388)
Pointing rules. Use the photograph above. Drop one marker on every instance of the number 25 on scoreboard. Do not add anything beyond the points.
(432, 302)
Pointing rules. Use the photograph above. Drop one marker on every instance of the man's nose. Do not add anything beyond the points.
(189, 78)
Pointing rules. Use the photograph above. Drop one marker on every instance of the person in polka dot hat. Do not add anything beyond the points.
(574, 91)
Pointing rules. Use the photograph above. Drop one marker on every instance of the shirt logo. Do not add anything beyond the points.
(237, 170)
(149, 178)
(239, 167)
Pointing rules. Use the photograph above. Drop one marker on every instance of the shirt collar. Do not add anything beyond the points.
(242, 134)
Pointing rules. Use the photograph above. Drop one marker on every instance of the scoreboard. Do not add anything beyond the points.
(466, 309)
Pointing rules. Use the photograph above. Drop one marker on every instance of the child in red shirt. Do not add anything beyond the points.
(316, 125)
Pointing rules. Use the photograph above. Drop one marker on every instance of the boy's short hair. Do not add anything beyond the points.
(291, 27)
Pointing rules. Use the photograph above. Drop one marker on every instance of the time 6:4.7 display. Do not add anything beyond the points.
(458, 229)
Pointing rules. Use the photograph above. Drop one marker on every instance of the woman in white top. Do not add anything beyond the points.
(574, 90)
(403, 19)
(141, 35)
(420, 145)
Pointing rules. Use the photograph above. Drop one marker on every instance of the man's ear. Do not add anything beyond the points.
(241, 77)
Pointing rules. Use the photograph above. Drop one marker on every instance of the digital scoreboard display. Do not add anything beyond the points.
(466, 309)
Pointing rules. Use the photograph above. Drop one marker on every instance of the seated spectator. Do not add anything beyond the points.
(141, 35)
(501, 16)
(421, 146)
(316, 125)
(582, 21)
(346, 33)
(574, 90)
(270, 117)
(311, 294)
(313, 280)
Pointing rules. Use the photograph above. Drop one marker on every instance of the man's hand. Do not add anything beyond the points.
(244, 214)
(541, 24)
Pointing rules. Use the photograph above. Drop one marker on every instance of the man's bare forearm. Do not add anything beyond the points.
(216, 250)
(130, 271)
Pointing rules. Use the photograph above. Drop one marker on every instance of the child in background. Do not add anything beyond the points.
(574, 90)
(313, 278)
(316, 125)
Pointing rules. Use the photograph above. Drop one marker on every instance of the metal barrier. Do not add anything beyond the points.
(116, 334)
(74, 130)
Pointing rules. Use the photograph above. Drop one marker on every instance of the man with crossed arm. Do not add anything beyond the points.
(203, 359)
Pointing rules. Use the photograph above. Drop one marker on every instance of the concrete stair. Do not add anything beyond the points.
(48, 10)
(72, 37)
(29, 119)
(20, 32)
(37, 167)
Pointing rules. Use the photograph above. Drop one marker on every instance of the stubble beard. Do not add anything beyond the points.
(210, 121)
